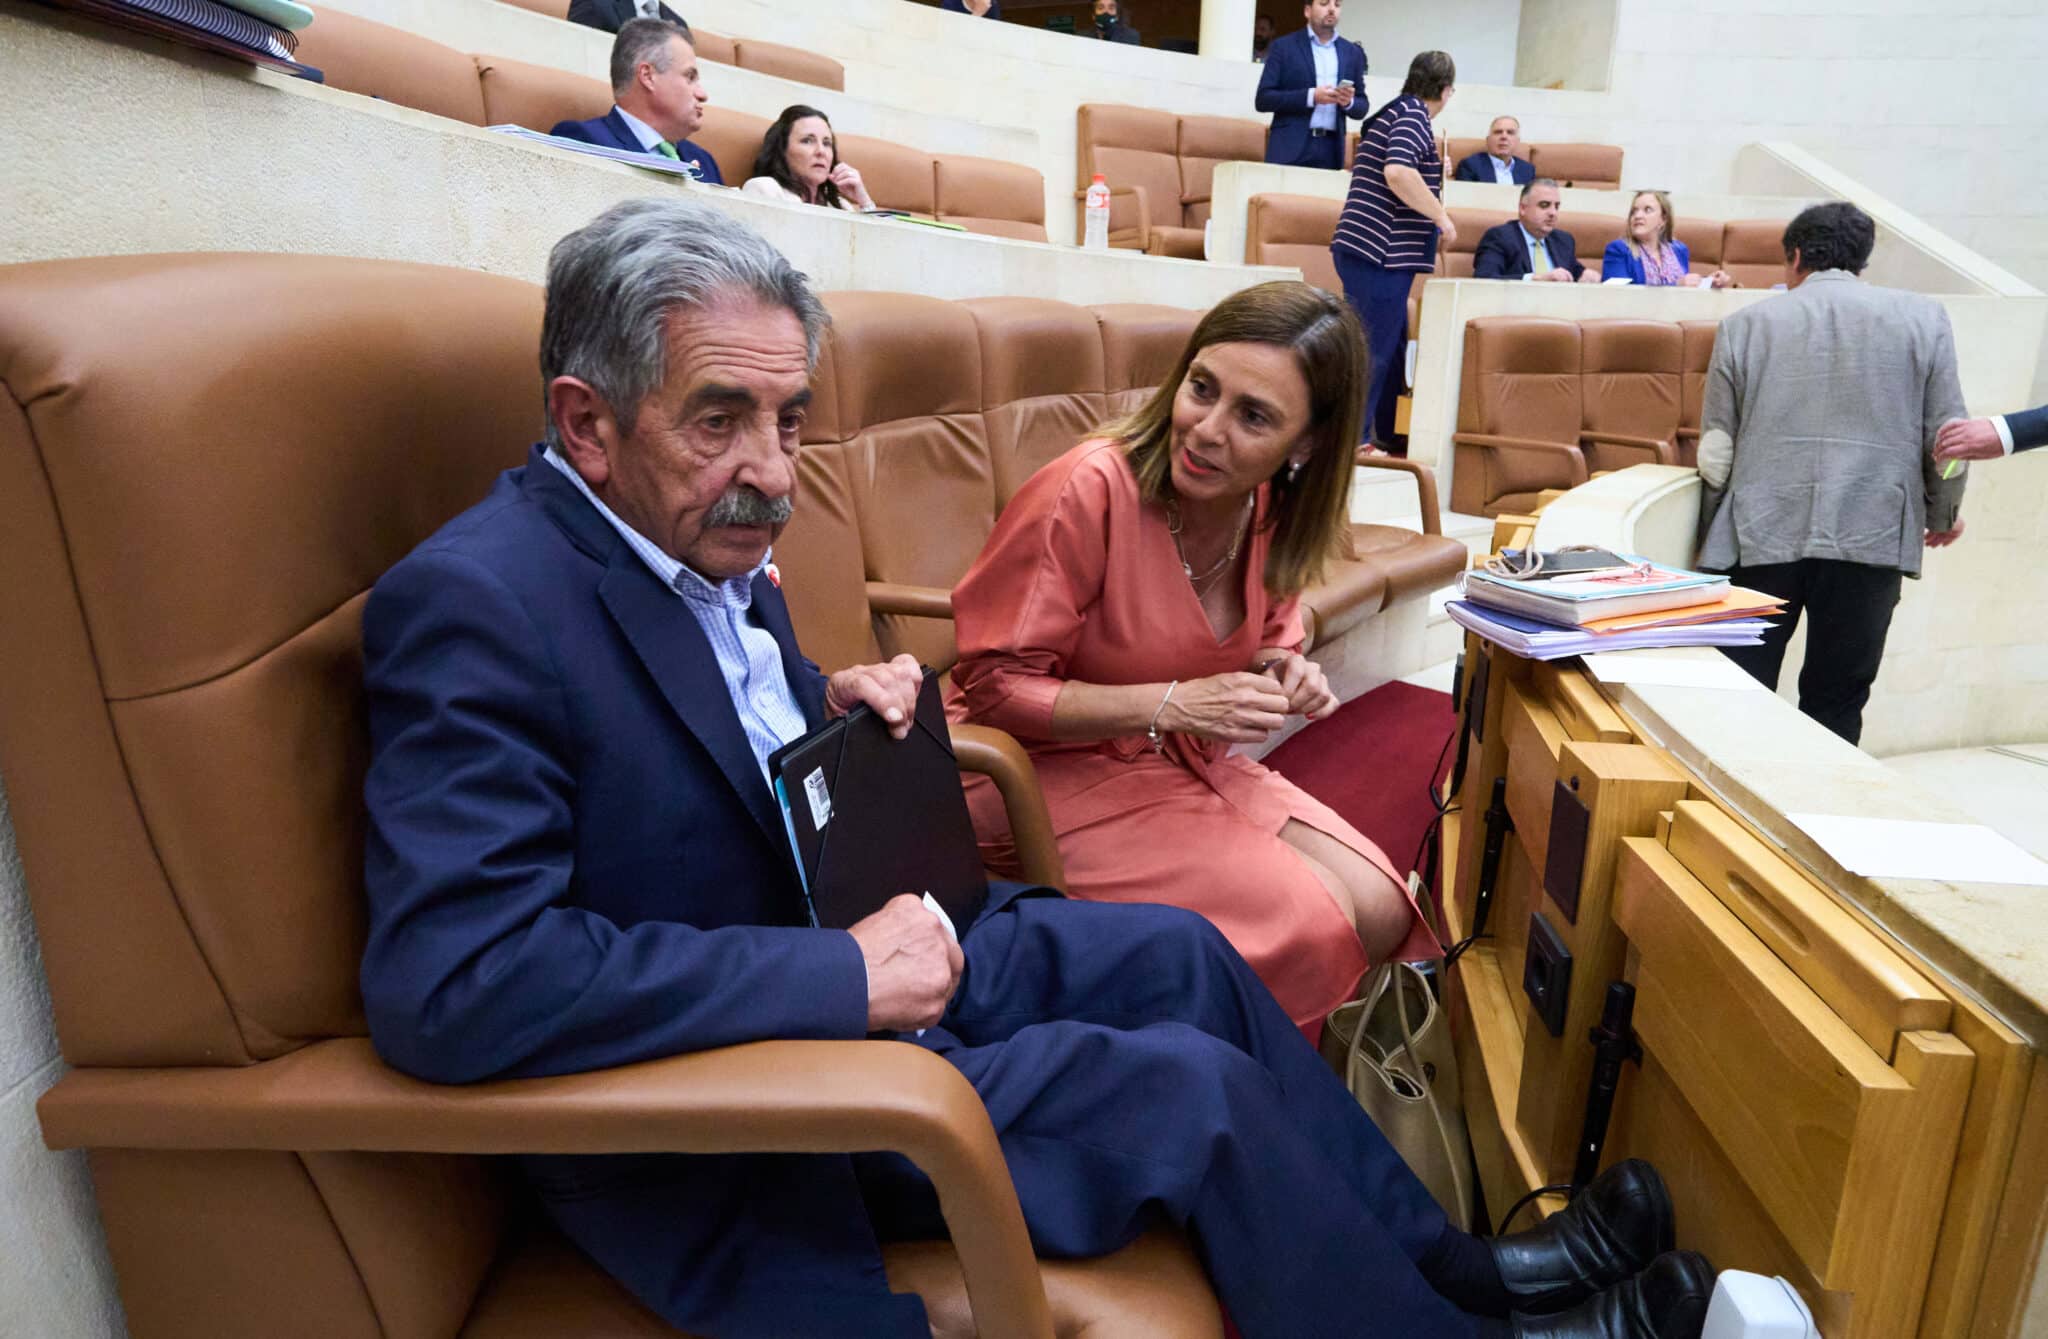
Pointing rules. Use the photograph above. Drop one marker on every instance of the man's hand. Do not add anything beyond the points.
(890, 689)
(913, 964)
(1238, 708)
(1326, 96)
(1557, 274)
(1345, 96)
(1968, 439)
(1941, 539)
(1303, 683)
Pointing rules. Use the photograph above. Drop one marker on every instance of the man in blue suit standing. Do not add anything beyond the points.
(574, 862)
(657, 99)
(1311, 81)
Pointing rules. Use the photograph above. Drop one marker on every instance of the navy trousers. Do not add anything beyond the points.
(1380, 297)
(1137, 1072)
(1322, 150)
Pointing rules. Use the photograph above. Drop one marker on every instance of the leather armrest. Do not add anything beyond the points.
(889, 597)
(997, 755)
(1660, 451)
(1569, 456)
(774, 1096)
(1425, 485)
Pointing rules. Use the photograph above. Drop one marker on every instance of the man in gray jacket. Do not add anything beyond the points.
(1817, 451)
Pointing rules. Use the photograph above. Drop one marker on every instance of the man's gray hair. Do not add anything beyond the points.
(613, 283)
(1540, 181)
(641, 42)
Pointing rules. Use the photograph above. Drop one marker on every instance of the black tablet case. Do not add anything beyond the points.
(895, 819)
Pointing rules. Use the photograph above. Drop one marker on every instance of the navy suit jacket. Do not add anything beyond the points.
(612, 132)
(611, 15)
(1479, 167)
(1502, 254)
(995, 10)
(1284, 83)
(573, 862)
(2029, 428)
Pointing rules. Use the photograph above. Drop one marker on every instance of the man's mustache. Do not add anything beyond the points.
(745, 506)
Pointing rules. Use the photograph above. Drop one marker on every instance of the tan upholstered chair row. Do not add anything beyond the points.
(1593, 166)
(182, 732)
(982, 194)
(786, 62)
(1543, 402)
(1158, 167)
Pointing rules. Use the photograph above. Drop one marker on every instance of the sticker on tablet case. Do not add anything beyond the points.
(820, 798)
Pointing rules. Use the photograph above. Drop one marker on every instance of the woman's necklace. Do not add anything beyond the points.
(1206, 579)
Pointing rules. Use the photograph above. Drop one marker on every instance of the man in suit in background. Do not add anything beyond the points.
(1501, 161)
(1312, 80)
(1110, 26)
(573, 861)
(1990, 438)
(1531, 246)
(611, 15)
(983, 9)
(1817, 449)
(657, 99)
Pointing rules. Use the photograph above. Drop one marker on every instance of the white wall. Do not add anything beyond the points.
(1479, 34)
(55, 1282)
(1565, 44)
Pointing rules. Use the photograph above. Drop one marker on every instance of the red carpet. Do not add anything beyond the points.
(1372, 762)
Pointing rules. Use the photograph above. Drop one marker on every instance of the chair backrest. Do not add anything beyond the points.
(733, 139)
(1454, 261)
(1630, 373)
(1042, 382)
(897, 176)
(1591, 232)
(1592, 166)
(380, 61)
(1521, 378)
(538, 96)
(1294, 230)
(1133, 146)
(1205, 141)
(712, 47)
(1702, 238)
(1753, 251)
(987, 195)
(788, 62)
(554, 9)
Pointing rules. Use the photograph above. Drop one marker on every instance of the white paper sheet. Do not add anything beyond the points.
(1648, 667)
(1890, 848)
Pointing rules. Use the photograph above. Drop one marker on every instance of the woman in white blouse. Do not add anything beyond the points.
(799, 161)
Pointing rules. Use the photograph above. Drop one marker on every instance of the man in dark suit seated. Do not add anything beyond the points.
(574, 862)
(1109, 25)
(1501, 161)
(611, 15)
(1531, 246)
(1312, 80)
(657, 99)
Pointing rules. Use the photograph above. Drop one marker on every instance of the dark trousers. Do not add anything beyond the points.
(1322, 150)
(1137, 1072)
(1380, 297)
(1848, 608)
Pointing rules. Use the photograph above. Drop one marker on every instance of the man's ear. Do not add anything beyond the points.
(585, 428)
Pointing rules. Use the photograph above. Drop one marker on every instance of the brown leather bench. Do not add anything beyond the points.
(1542, 403)
(1594, 166)
(1159, 168)
(982, 194)
(183, 757)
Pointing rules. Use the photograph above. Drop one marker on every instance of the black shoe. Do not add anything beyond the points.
(1612, 1229)
(1666, 1301)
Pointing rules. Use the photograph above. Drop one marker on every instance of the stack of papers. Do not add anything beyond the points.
(1534, 639)
(1631, 586)
(651, 161)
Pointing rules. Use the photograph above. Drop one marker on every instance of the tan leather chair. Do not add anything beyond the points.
(733, 139)
(1136, 150)
(1206, 141)
(1753, 252)
(1592, 166)
(184, 751)
(1141, 344)
(1455, 260)
(1591, 232)
(986, 195)
(1294, 230)
(379, 61)
(1044, 383)
(713, 47)
(1702, 238)
(897, 177)
(788, 62)
(1519, 412)
(538, 96)
(554, 9)
(1629, 386)
(1696, 354)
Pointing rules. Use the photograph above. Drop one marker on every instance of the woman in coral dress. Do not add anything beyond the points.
(1136, 613)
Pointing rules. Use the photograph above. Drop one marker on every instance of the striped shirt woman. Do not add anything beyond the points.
(1388, 231)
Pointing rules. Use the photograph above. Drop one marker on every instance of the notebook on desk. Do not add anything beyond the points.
(869, 816)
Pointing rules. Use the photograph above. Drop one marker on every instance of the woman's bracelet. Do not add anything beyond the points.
(1152, 727)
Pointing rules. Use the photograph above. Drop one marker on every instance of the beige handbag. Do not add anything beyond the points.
(1392, 1046)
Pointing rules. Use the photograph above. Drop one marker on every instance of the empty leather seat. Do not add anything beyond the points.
(1043, 383)
(733, 139)
(1702, 238)
(379, 61)
(1629, 388)
(788, 62)
(1592, 166)
(1591, 232)
(1519, 411)
(987, 195)
(1137, 149)
(1141, 343)
(897, 176)
(1294, 230)
(1206, 141)
(538, 96)
(1753, 252)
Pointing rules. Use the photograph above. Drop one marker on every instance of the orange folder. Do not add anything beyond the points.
(1737, 603)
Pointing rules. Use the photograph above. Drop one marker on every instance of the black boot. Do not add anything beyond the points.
(1666, 1301)
(1612, 1229)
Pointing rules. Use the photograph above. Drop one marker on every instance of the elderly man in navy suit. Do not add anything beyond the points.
(1312, 81)
(574, 862)
(611, 15)
(1500, 161)
(657, 99)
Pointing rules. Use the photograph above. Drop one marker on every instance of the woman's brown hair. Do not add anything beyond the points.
(1308, 513)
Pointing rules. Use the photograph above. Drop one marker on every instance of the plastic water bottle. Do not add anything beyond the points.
(1095, 235)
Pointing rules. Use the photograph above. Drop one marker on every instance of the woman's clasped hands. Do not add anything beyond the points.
(1245, 706)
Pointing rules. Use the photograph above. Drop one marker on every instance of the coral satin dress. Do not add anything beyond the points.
(1081, 581)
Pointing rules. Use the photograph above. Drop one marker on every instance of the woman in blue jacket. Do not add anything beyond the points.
(1649, 254)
